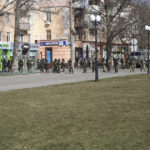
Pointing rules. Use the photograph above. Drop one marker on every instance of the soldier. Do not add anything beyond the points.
(133, 64)
(130, 64)
(20, 65)
(9, 65)
(55, 66)
(38, 64)
(42, 65)
(63, 65)
(4, 63)
(142, 65)
(46, 66)
(29, 65)
(84, 65)
(122, 63)
(108, 65)
(93, 64)
(70, 66)
(116, 64)
(58, 66)
(104, 65)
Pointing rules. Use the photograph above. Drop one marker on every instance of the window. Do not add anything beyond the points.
(29, 38)
(0, 36)
(48, 34)
(21, 38)
(47, 0)
(8, 36)
(8, 18)
(48, 16)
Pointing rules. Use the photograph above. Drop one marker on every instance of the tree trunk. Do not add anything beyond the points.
(108, 49)
(16, 43)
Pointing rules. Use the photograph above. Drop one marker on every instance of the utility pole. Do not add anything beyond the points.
(71, 36)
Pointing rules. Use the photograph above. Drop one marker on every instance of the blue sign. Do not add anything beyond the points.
(51, 43)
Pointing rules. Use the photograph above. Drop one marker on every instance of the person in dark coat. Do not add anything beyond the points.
(46, 66)
(9, 63)
(116, 64)
(20, 65)
(4, 63)
(63, 65)
(55, 66)
(70, 66)
(84, 65)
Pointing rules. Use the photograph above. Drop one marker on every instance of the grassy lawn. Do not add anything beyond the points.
(112, 114)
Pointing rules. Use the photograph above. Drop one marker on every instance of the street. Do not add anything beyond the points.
(44, 79)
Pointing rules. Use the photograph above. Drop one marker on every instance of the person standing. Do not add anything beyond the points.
(46, 66)
(104, 65)
(93, 64)
(84, 66)
(122, 63)
(116, 64)
(38, 64)
(70, 66)
(20, 65)
(9, 65)
(63, 65)
(55, 66)
(4, 63)
(108, 65)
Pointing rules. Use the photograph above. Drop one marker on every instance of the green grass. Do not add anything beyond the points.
(112, 114)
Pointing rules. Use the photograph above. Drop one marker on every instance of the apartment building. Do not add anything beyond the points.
(47, 30)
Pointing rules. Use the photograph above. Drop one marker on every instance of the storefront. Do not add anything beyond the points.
(5, 52)
(51, 50)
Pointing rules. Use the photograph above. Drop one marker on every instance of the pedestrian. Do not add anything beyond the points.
(84, 65)
(38, 64)
(46, 66)
(4, 65)
(104, 65)
(130, 64)
(63, 65)
(122, 63)
(116, 64)
(58, 66)
(108, 65)
(70, 66)
(9, 65)
(142, 65)
(20, 63)
(93, 64)
(55, 66)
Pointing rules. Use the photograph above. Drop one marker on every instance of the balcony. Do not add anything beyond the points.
(24, 26)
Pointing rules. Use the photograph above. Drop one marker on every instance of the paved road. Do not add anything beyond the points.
(45, 79)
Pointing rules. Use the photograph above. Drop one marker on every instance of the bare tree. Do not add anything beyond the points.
(18, 8)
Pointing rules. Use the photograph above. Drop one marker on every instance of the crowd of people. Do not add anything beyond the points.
(59, 66)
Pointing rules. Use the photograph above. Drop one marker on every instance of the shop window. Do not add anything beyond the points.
(8, 36)
(48, 34)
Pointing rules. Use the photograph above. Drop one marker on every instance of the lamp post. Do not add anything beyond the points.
(147, 28)
(95, 19)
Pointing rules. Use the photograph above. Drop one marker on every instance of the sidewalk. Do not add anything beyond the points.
(45, 79)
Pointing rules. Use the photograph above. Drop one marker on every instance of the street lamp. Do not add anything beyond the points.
(147, 28)
(95, 19)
